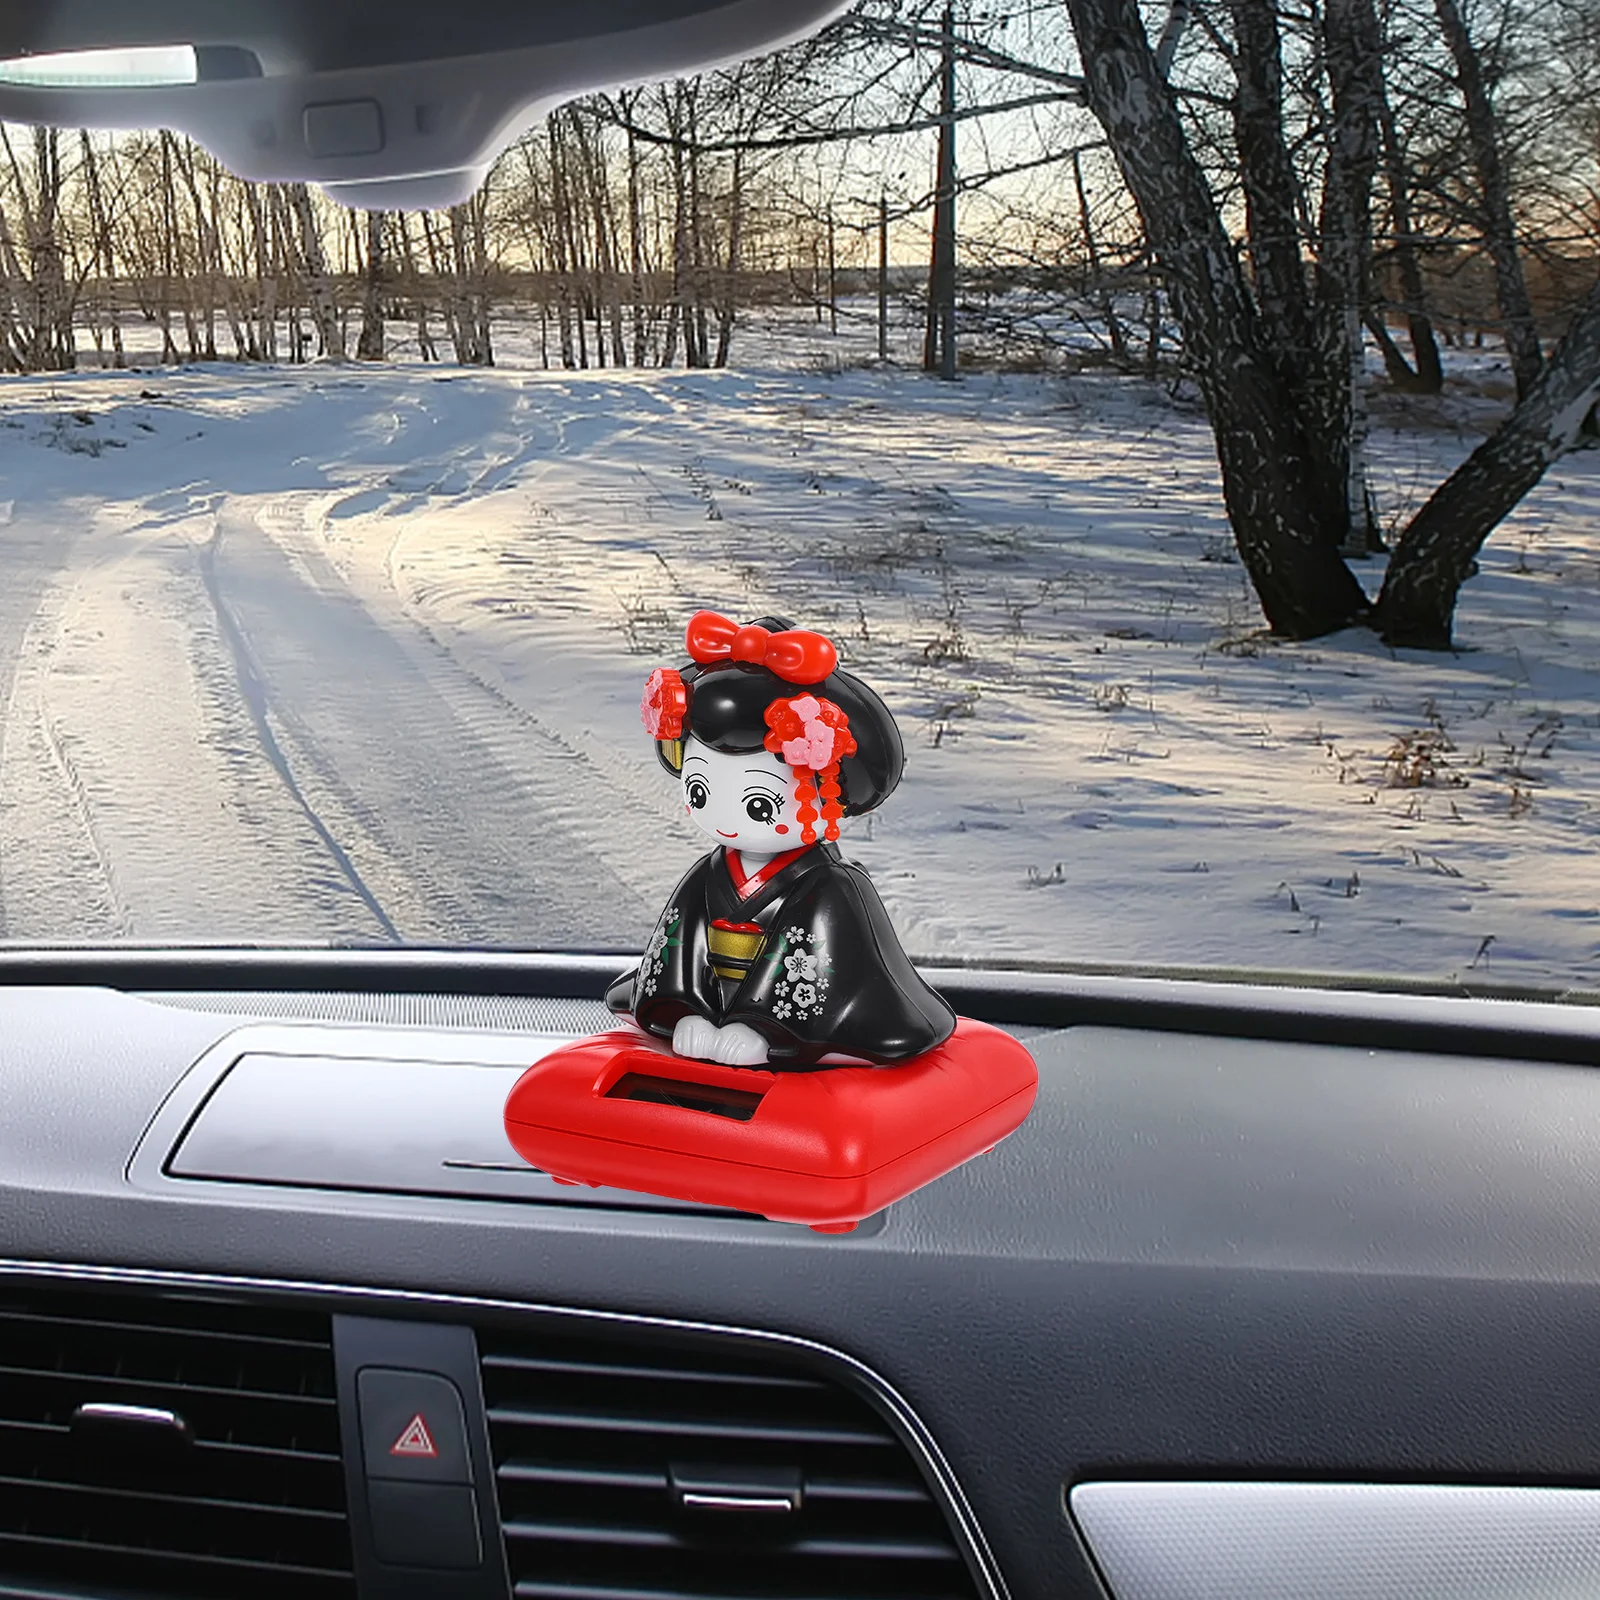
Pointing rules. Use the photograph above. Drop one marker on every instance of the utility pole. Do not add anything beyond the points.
(939, 344)
(883, 277)
(833, 280)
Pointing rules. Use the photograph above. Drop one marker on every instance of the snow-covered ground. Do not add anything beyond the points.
(353, 653)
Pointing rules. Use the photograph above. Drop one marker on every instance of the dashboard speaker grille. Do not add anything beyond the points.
(635, 1471)
(174, 1447)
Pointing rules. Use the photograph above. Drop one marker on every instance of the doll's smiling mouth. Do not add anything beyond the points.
(728, 835)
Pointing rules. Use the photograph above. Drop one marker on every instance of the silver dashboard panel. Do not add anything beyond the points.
(417, 1127)
(366, 1110)
(1341, 1541)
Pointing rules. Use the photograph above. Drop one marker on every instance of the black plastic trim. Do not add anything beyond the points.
(355, 1301)
(439, 1350)
(1530, 1026)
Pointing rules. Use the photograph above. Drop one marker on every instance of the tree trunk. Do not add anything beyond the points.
(1303, 336)
(207, 251)
(13, 310)
(1436, 554)
(169, 246)
(477, 211)
(833, 278)
(635, 240)
(370, 345)
(697, 244)
(939, 343)
(680, 318)
(413, 272)
(558, 236)
(266, 275)
(728, 300)
(227, 278)
(319, 286)
(607, 276)
(1267, 477)
(1428, 375)
(469, 317)
(1352, 52)
(102, 253)
(883, 277)
(56, 298)
(1099, 290)
(1499, 231)
(1399, 370)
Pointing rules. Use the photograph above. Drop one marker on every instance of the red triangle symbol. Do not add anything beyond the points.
(415, 1441)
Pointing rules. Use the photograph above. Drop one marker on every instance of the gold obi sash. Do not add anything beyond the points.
(734, 947)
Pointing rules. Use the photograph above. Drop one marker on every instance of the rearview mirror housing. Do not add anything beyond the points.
(399, 107)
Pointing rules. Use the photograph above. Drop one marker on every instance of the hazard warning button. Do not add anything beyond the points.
(412, 1426)
(416, 1440)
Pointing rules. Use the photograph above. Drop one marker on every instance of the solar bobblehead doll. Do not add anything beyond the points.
(795, 1063)
(773, 950)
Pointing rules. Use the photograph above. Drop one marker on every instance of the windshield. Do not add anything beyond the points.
(1236, 593)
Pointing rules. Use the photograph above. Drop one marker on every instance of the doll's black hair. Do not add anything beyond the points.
(727, 711)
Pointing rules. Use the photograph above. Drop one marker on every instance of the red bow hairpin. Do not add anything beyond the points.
(795, 655)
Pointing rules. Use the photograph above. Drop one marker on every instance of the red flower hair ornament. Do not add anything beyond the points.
(664, 705)
(813, 736)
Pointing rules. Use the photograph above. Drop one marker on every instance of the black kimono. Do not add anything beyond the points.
(806, 956)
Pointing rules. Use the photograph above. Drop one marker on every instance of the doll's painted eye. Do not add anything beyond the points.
(697, 792)
(759, 808)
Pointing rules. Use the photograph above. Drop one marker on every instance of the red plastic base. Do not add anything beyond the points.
(826, 1147)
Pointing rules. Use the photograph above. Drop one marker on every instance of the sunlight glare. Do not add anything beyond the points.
(136, 67)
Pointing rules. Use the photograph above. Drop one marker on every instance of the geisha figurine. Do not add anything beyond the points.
(773, 950)
(773, 954)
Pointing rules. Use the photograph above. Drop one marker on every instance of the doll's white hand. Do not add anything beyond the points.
(740, 1046)
(734, 1046)
(694, 1036)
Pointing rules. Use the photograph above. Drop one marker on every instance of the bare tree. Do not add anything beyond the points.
(1427, 375)
(1496, 223)
(319, 286)
(1286, 508)
(1248, 343)
(40, 292)
(1435, 555)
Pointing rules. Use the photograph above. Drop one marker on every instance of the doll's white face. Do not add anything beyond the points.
(746, 802)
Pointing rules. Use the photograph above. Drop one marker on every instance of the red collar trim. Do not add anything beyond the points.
(747, 884)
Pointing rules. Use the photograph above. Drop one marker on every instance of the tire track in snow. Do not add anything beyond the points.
(568, 769)
(137, 801)
(33, 810)
(35, 549)
(460, 821)
(253, 690)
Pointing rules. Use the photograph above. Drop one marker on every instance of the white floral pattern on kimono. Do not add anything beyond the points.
(803, 989)
(654, 962)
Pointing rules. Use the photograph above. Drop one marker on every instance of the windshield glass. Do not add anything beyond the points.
(338, 546)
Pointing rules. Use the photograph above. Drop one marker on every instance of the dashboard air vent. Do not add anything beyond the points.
(173, 1447)
(633, 1471)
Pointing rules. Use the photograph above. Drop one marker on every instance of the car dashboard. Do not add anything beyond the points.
(1272, 1274)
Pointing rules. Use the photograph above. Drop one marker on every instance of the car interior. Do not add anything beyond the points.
(1327, 1248)
(1284, 1289)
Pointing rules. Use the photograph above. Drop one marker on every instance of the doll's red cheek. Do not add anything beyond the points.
(782, 827)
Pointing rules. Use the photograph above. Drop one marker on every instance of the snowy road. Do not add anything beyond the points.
(210, 736)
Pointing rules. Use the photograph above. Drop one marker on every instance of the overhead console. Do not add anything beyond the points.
(408, 114)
